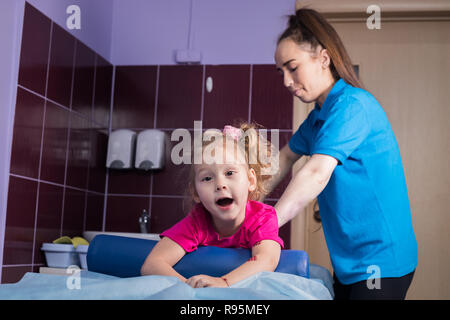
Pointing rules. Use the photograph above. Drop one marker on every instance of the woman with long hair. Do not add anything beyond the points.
(355, 169)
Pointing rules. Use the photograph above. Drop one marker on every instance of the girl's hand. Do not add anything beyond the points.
(202, 280)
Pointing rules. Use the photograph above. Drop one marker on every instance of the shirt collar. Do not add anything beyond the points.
(322, 112)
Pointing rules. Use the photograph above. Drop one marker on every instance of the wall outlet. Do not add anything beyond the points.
(188, 56)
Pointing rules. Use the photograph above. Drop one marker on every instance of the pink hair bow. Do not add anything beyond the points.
(233, 132)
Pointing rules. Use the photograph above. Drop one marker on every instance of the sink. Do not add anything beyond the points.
(89, 235)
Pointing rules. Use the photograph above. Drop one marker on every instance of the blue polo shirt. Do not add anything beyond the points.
(364, 208)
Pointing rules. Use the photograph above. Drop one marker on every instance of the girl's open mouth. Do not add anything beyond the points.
(225, 203)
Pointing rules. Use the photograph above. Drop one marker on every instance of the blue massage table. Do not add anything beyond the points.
(114, 264)
(123, 257)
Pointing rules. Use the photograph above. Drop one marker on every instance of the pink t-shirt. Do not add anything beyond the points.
(196, 229)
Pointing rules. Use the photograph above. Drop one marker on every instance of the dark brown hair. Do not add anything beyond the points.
(309, 26)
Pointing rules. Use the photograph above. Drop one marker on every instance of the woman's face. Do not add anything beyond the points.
(305, 72)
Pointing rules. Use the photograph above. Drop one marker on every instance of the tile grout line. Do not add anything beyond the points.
(82, 115)
(155, 113)
(202, 103)
(131, 195)
(90, 142)
(192, 129)
(23, 265)
(68, 138)
(111, 109)
(154, 126)
(250, 94)
(42, 146)
(53, 183)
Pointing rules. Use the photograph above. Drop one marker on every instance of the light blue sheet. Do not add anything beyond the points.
(262, 286)
(321, 274)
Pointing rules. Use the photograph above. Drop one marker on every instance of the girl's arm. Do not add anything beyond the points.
(265, 257)
(165, 254)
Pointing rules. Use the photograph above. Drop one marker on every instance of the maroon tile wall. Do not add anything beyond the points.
(180, 94)
(230, 96)
(271, 102)
(57, 172)
(59, 83)
(58, 180)
(176, 95)
(35, 48)
(134, 97)
(48, 217)
(29, 114)
(20, 222)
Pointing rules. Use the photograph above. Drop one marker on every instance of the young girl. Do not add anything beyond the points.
(224, 213)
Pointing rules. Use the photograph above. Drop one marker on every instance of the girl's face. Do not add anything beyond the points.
(306, 74)
(223, 187)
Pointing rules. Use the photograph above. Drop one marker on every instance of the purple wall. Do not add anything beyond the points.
(226, 32)
(10, 34)
(148, 32)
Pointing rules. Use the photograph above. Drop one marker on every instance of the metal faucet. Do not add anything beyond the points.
(144, 220)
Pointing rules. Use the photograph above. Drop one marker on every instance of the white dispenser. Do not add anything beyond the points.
(121, 146)
(150, 150)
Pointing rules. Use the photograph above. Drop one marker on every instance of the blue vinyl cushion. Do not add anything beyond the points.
(123, 257)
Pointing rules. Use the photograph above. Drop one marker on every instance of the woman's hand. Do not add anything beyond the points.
(202, 280)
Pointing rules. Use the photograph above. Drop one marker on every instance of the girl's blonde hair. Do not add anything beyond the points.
(253, 144)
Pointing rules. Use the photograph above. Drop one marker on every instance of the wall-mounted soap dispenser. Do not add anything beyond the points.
(150, 148)
(121, 149)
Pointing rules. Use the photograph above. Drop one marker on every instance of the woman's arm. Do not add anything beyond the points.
(165, 254)
(305, 186)
(265, 257)
(287, 158)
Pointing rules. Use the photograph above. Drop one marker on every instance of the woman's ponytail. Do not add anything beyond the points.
(309, 26)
